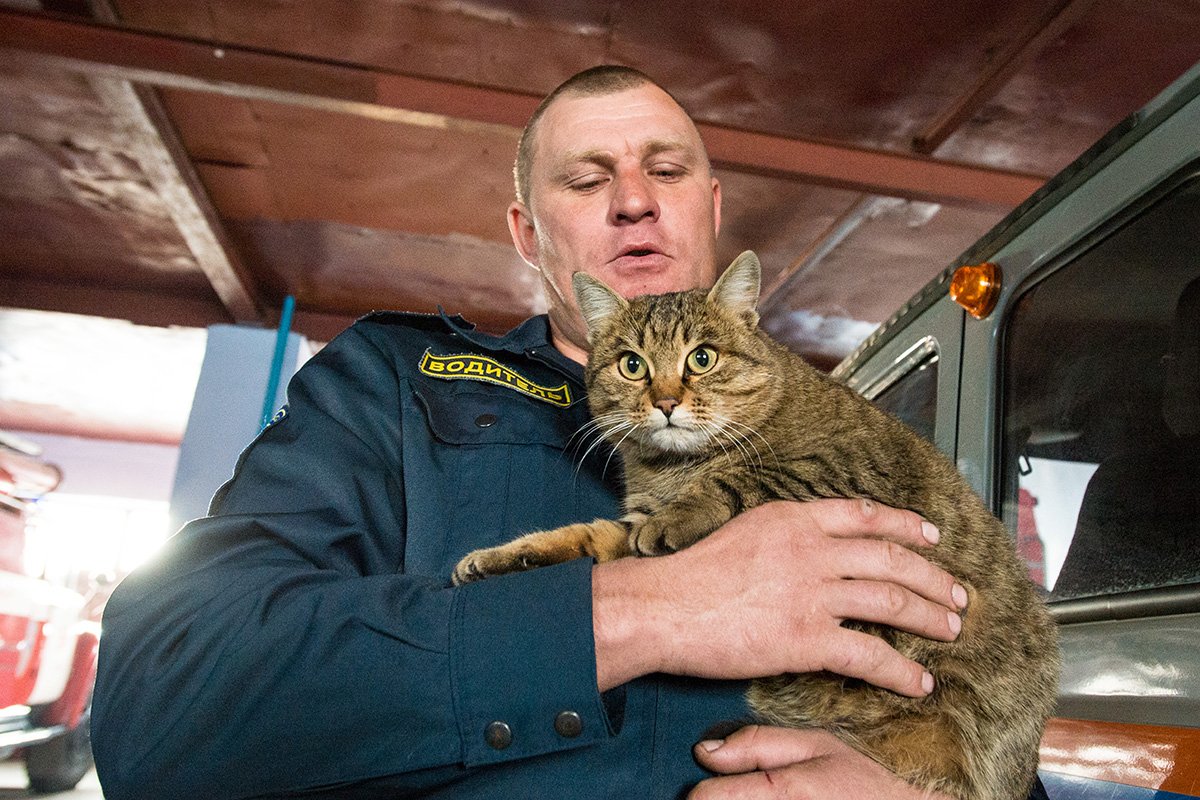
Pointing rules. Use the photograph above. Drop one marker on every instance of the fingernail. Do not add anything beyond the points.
(710, 745)
(960, 595)
(930, 532)
(955, 622)
(927, 682)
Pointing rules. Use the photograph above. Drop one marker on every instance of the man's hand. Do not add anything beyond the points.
(763, 763)
(767, 593)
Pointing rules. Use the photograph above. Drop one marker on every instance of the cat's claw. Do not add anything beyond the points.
(494, 561)
(467, 571)
(650, 540)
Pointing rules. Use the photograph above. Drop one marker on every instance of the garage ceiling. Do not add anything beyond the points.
(193, 162)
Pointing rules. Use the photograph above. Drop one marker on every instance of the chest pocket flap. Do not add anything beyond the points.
(466, 416)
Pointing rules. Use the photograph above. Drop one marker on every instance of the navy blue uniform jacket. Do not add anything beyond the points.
(304, 640)
(305, 634)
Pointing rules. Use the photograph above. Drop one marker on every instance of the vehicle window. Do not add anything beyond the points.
(913, 397)
(1101, 458)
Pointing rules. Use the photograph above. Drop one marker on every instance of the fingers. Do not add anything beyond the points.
(756, 761)
(766, 785)
(860, 655)
(872, 559)
(758, 747)
(889, 604)
(763, 763)
(863, 517)
(885, 559)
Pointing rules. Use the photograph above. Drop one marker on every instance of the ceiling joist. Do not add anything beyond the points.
(134, 305)
(157, 147)
(154, 144)
(1061, 17)
(159, 60)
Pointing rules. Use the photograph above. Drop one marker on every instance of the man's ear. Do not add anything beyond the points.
(597, 302)
(524, 235)
(737, 289)
(716, 188)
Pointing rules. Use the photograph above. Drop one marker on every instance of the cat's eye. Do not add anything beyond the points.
(631, 366)
(701, 360)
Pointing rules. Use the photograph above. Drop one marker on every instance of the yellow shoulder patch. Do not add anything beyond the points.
(481, 368)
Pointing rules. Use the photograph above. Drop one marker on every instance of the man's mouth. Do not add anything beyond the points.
(636, 252)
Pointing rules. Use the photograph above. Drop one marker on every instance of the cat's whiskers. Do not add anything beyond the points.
(746, 437)
(605, 429)
(617, 446)
(737, 439)
(707, 429)
(594, 427)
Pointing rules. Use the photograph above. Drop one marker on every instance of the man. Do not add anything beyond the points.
(304, 639)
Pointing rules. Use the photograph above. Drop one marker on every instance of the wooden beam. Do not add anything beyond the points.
(862, 209)
(871, 171)
(149, 308)
(136, 306)
(154, 143)
(182, 63)
(352, 89)
(1043, 31)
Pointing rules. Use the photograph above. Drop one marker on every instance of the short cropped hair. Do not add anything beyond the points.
(602, 80)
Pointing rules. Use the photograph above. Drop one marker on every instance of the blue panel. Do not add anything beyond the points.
(1070, 787)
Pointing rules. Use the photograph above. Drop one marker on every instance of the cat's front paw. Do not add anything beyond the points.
(653, 538)
(491, 561)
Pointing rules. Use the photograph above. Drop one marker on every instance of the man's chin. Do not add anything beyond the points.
(650, 278)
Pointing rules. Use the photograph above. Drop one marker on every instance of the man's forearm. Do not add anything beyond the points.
(625, 621)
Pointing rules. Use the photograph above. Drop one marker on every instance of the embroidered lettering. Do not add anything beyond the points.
(481, 368)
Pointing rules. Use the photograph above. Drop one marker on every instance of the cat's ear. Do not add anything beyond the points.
(597, 302)
(737, 289)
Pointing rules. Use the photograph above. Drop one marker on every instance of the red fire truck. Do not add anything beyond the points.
(49, 633)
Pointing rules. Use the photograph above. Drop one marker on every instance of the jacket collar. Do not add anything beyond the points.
(530, 339)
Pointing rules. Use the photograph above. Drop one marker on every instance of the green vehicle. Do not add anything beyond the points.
(1065, 382)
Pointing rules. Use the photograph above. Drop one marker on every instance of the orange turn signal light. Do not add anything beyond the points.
(976, 287)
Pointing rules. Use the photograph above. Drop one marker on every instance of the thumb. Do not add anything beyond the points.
(760, 747)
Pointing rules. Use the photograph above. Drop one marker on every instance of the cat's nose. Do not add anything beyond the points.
(667, 405)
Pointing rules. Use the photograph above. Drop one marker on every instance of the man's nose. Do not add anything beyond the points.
(633, 199)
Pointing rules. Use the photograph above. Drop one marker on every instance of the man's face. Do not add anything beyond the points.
(620, 189)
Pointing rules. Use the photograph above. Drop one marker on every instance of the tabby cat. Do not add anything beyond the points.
(712, 417)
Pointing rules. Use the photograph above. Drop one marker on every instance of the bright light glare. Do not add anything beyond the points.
(72, 535)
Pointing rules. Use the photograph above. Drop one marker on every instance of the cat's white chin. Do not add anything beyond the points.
(675, 439)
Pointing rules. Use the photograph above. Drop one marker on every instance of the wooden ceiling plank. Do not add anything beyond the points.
(153, 142)
(1061, 17)
(137, 306)
(846, 223)
(158, 148)
(870, 171)
(176, 62)
(349, 89)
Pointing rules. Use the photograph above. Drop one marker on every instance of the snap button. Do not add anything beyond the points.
(568, 724)
(486, 420)
(498, 735)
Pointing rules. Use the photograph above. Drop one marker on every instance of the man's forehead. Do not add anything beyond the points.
(645, 119)
(645, 148)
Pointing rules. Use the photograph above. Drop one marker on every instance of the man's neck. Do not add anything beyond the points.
(568, 349)
(573, 347)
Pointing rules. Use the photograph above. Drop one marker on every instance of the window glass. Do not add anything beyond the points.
(913, 397)
(1101, 463)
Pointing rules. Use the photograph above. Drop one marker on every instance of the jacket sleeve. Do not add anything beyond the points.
(278, 645)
